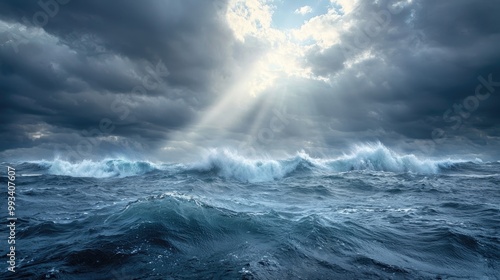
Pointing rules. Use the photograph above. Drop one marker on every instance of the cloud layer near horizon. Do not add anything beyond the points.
(167, 78)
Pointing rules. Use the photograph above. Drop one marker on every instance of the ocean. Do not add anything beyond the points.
(369, 214)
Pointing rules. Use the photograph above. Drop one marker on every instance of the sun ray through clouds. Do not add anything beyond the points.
(251, 24)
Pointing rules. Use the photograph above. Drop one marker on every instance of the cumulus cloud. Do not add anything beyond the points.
(304, 10)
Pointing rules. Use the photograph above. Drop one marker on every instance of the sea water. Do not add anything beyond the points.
(370, 214)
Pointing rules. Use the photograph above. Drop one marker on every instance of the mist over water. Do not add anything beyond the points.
(371, 213)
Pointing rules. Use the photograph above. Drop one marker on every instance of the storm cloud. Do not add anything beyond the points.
(88, 79)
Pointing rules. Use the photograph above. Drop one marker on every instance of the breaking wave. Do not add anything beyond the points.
(375, 157)
(231, 165)
(98, 169)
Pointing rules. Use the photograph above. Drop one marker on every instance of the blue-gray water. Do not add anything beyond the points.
(370, 215)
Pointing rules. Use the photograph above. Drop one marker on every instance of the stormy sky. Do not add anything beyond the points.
(166, 79)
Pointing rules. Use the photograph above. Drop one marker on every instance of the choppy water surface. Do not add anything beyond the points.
(372, 214)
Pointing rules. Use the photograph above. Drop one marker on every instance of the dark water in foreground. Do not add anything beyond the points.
(234, 219)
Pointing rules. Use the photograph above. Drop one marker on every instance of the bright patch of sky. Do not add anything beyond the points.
(285, 17)
(289, 29)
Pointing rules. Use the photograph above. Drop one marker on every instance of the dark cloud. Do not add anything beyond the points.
(152, 69)
(420, 61)
(97, 60)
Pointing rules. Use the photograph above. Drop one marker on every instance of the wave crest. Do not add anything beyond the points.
(370, 157)
(100, 169)
(377, 157)
(229, 164)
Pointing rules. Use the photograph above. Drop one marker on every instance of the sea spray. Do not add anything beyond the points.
(230, 165)
(101, 169)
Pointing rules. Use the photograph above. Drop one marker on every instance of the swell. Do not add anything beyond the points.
(166, 233)
(183, 237)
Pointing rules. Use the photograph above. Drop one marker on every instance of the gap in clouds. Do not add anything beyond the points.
(348, 71)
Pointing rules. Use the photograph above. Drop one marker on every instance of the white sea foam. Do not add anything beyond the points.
(229, 164)
(377, 157)
(373, 157)
(100, 169)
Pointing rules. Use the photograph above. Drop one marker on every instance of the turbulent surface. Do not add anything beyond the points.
(370, 214)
